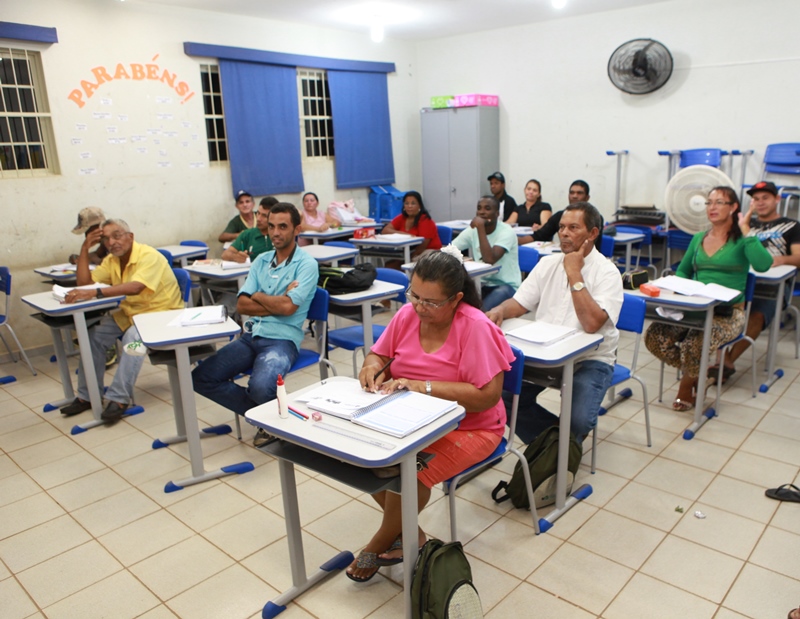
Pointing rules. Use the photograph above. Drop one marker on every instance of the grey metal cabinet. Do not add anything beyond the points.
(460, 148)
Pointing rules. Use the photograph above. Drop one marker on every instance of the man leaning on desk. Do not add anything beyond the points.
(578, 288)
(276, 295)
(143, 275)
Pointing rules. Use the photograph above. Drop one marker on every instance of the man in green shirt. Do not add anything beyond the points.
(252, 242)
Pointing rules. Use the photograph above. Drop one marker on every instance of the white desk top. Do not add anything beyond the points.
(390, 240)
(627, 237)
(46, 303)
(775, 274)
(326, 253)
(456, 225)
(554, 354)
(184, 251)
(379, 290)
(523, 230)
(346, 448)
(155, 333)
(216, 272)
(60, 272)
(330, 233)
(474, 268)
(545, 248)
(673, 299)
(361, 224)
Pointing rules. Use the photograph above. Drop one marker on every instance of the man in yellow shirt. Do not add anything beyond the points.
(143, 275)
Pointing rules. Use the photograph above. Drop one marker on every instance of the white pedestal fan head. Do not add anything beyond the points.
(686, 195)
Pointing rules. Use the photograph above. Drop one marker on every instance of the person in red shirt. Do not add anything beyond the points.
(416, 221)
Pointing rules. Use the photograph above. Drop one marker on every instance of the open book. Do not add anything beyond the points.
(398, 414)
(60, 292)
(693, 288)
(542, 333)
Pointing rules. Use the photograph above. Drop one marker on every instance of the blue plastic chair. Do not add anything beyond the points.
(445, 234)
(512, 381)
(167, 255)
(346, 245)
(5, 287)
(702, 156)
(184, 283)
(528, 259)
(631, 319)
(191, 243)
(647, 263)
(676, 239)
(352, 338)
(782, 160)
(607, 246)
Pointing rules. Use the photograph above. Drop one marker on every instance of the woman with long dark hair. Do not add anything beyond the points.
(416, 221)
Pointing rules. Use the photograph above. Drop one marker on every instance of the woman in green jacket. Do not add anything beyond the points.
(722, 255)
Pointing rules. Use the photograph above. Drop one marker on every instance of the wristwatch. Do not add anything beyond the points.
(428, 387)
(99, 293)
(577, 287)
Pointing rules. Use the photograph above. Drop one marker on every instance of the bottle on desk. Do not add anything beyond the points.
(283, 402)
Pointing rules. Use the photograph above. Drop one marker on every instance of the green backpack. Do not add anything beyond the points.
(542, 458)
(442, 584)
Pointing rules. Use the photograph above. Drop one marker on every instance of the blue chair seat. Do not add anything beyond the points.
(621, 374)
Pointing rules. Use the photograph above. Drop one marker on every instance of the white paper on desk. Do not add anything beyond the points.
(60, 292)
(691, 287)
(344, 398)
(68, 268)
(230, 264)
(196, 316)
(523, 230)
(395, 236)
(542, 333)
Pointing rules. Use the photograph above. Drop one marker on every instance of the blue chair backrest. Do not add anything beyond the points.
(607, 246)
(184, 283)
(702, 156)
(167, 255)
(318, 310)
(393, 276)
(678, 239)
(750, 287)
(631, 316)
(445, 234)
(512, 379)
(191, 243)
(782, 158)
(5, 280)
(528, 259)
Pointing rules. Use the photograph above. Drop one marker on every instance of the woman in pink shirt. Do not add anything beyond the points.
(314, 220)
(430, 339)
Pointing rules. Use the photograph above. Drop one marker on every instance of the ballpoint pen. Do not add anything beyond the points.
(383, 369)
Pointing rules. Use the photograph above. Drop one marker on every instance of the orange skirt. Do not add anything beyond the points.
(456, 451)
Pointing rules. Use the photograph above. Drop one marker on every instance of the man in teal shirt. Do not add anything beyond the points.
(255, 241)
(493, 242)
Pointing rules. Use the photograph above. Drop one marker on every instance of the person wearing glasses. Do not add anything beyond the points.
(576, 288)
(143, 275)
(429, 338)
(722, 255)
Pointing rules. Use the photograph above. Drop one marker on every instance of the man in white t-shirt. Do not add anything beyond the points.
(578, 288)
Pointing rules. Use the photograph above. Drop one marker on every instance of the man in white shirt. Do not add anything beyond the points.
(578, 288)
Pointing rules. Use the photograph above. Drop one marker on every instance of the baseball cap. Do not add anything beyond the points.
(498, 175)
(763, 186)
(241, 193)
(88, 217)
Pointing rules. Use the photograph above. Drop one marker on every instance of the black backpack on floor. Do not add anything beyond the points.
(442, 584)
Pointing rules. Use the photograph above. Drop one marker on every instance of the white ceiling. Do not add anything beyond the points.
(431, 18)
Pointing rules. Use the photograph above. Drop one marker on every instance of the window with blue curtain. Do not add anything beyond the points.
(362, 133)
(262, 120)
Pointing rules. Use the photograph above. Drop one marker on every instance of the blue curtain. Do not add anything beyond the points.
(262, 120)
(362, 135)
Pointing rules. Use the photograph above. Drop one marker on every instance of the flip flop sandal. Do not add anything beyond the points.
(364, 561)
(682, 405)
(786, 492)
(397, 544)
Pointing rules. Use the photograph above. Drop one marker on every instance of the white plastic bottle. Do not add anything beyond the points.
(283, 402)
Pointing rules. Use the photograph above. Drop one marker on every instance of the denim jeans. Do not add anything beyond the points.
(103, 336)
(495, 295)
(213, 378)
(590, 382)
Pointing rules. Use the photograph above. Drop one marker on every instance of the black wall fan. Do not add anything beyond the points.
(640, 66)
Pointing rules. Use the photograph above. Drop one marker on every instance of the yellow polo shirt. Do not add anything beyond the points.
(149, 267)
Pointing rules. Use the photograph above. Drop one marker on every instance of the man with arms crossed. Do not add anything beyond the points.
(577, 288)
(277, 294)
(492, 242)
(780, 236)
(145, 278)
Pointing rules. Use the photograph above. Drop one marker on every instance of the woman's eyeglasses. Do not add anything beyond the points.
(717, 203)
(412, 298)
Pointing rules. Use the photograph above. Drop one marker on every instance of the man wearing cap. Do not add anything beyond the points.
(90, 219)
(144, 277)
(255, 241)
(497, 184)
(492, 242)
(245, 220)
(780, 236)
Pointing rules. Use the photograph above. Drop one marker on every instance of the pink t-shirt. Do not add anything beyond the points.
(474, 352)
(312, 221)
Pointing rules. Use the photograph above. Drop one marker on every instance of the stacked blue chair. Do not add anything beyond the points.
(5, 287)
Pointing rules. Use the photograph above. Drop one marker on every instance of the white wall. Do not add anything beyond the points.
(734, 86)
(162, 204)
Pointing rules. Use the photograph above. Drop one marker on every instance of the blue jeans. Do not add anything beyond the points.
(213, 378)
(103, 336)
(495, 295)
(590, 382)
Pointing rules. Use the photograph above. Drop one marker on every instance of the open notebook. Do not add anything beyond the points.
(398, 414)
